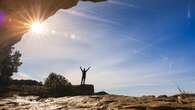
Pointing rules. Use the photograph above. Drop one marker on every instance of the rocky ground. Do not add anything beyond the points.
(99, 102)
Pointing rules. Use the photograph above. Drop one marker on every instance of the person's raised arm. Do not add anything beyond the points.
(81, 68)
(88, 68)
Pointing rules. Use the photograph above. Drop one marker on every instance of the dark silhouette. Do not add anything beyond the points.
(9, 66)
(25, 82)
(58, 85)
(84, 71)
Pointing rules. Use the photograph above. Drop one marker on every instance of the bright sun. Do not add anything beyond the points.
(37, 27)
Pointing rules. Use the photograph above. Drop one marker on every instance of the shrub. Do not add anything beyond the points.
(9, 65)
(58, 85)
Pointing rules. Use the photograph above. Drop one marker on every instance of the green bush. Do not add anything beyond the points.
(58, 85)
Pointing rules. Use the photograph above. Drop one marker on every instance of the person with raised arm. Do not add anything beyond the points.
(84, 71)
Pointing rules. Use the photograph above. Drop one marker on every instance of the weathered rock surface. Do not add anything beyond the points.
(101, 102)
(83, 89)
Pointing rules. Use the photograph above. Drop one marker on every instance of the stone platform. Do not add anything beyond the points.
(87, 89)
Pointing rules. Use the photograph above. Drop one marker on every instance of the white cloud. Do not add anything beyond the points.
(115, 2)
(22, 76)
(90, 17)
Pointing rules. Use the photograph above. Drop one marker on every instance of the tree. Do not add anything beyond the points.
(58, 85)
(9, 66)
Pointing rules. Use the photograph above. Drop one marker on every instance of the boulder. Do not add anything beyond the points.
(86, 89)
(101, 93)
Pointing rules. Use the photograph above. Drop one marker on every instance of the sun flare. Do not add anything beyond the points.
(37, 27)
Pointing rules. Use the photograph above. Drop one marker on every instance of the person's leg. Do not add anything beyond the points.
(81, 80)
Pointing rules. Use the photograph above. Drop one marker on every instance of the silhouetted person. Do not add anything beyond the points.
(84, 71)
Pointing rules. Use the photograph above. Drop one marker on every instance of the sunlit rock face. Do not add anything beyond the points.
(16, 17)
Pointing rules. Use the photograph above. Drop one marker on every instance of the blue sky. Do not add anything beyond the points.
(135, 47)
